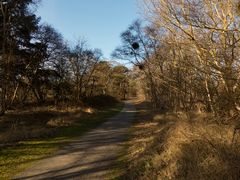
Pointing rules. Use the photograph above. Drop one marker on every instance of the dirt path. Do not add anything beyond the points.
(89, 157)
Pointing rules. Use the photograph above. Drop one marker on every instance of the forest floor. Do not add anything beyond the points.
(168, 145)
(28, 135)
(92, 156)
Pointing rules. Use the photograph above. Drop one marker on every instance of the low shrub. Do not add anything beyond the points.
(100, 101)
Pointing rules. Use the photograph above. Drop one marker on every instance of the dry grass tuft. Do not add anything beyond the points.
(25, 133)
(38, 122)
(183, 146)
(60, 122)
(88, 110)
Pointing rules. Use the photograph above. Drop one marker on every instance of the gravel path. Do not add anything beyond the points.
(89, 157)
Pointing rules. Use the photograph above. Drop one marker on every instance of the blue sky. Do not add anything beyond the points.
(99, 21)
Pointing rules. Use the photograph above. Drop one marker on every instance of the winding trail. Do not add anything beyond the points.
(89, 157)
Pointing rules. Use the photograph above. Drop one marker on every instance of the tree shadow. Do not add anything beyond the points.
(92, 155)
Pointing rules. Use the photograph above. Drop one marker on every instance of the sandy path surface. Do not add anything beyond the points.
(89, 157)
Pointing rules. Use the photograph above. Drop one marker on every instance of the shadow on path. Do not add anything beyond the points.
(89, 157)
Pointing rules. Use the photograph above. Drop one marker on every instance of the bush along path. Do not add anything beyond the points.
(88, 157)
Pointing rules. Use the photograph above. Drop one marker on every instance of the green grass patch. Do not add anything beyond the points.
(17, 158)
(120, 164)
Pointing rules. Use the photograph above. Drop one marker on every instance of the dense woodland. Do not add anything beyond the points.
(37, 64)
(188, 53)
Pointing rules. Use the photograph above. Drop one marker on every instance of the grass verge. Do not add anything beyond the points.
(181, 146)
(122, 163)
(16, 158)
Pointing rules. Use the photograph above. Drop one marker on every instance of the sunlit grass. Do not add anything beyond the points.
(173, 146)
(17, 158)
(14, 159)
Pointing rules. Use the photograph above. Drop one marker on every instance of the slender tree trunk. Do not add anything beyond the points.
(3, 89)
(14, 95)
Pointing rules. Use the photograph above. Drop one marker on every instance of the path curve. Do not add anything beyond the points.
(89, 157)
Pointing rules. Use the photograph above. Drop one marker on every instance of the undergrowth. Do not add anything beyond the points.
(34, 145)
(178, 146)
